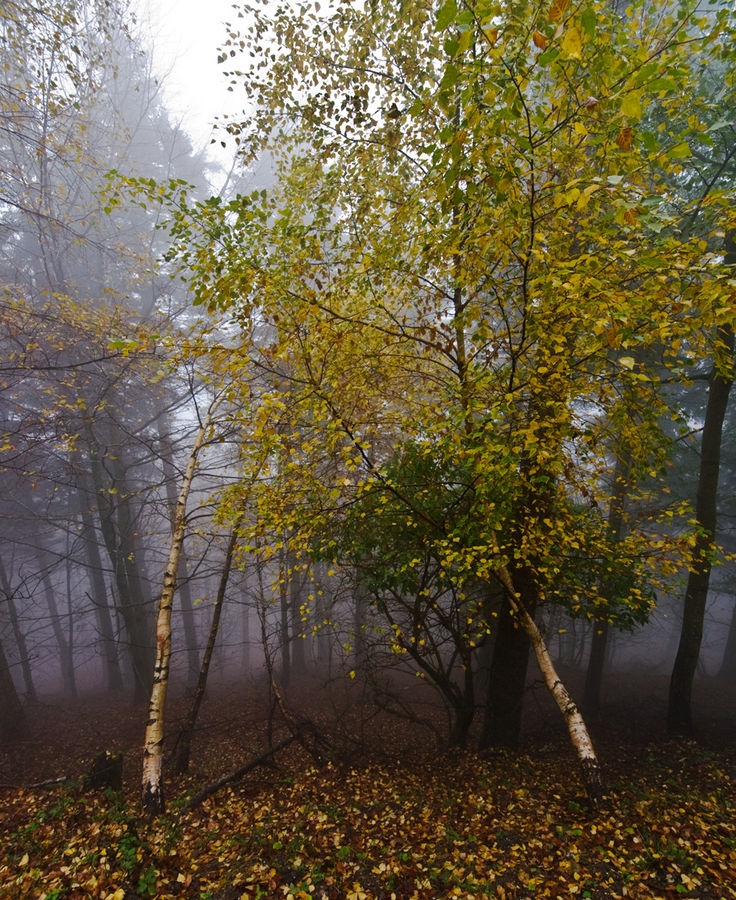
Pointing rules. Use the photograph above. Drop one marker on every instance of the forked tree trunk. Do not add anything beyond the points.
(590, 767)
(152, 793)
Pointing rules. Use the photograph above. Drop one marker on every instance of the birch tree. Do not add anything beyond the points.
(152, 796)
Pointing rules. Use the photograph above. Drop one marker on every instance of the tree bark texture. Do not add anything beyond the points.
(184, 740)
(185, 591)
(679, 711)
(152, 792)
(580, 738)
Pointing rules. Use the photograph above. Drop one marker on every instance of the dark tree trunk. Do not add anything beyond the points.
(361, 603)
(594, 675)
(66, 660)
(679, 712)
(113, 675)
(507, 681)
(20, 640)
(727, 670)
(12, 717)
(132, 604)
(298, 625)
(184, 739)
(322, 607)
(464, 710)
(284, 609)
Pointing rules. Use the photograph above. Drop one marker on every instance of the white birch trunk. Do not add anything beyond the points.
(152, 796)
(577, 729)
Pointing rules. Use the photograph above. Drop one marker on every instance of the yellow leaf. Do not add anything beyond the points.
(572, 43)
(631, 105)
(627, 362)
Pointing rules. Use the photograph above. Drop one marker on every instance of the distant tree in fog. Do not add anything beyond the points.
(81, 417)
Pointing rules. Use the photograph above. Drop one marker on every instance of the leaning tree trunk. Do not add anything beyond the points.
(152, 793)
(184, 741)
(679, 711)
(590, 767)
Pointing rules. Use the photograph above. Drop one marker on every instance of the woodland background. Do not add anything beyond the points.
(327, 452)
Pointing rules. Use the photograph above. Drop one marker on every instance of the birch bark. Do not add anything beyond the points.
(152, 794)
(580, 738)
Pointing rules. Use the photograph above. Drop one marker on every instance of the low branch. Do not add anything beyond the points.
(221, 782)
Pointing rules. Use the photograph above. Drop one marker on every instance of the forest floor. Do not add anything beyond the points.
(388, 817)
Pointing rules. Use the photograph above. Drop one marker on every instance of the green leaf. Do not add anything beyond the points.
(680, 151)
(446, 15)
(588, 20)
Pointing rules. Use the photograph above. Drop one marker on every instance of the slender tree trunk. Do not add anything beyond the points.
(599, 643)
(182, 576)
(184, 740)
(130, 601)
(113, 675)
(245, 624)
(298, 642)
(66, 660)
(20, 640)
(152, 793)
(360, 602)
(322, 612)
(727, 671)
(580, 738)
(679, 712)
(12, 716)
(284, 610)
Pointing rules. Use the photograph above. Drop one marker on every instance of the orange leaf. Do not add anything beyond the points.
(557, 10)
(540, 40)
(624, 137)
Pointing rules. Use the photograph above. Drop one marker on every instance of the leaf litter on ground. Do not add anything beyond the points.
(506, 826)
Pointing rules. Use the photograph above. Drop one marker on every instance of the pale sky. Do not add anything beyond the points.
(183, 36)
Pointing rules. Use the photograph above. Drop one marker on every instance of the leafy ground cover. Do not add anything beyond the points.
(420, 826)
